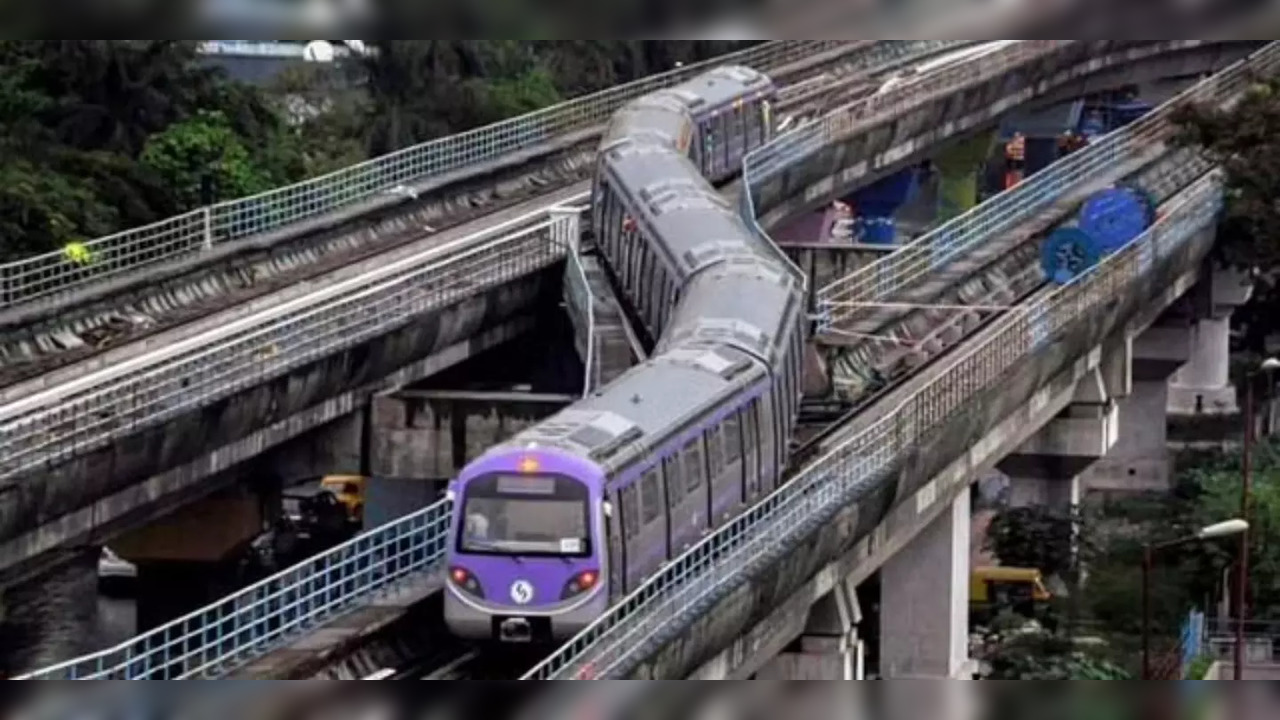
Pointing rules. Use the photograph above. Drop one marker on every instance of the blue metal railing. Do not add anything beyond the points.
(260, 618)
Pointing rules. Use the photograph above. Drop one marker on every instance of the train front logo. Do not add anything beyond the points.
(522, 592)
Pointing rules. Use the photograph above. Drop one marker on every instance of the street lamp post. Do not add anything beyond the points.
(1225, 528)
(1246, 480)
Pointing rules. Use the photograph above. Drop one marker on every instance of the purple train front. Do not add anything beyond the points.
(525, 558)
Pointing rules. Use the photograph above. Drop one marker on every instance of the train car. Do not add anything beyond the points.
(660, 118)
(551, 527)
(574, 511)
(732, 109)
(658, 224)
(714, 119)
(667, 453)
(756, 306)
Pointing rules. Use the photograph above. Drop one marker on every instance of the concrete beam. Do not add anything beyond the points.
(1069, 443)
(1161, 349)
(829, 648)
(140, 502)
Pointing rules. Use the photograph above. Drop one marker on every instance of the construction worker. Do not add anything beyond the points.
(1015, 157)
(1069, 142)
(78, 254)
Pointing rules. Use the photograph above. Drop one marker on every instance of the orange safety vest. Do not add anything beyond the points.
(1016, 149)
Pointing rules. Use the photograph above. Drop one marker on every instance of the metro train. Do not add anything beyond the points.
(554, 525)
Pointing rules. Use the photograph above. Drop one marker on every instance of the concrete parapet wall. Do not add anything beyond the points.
(686, 646)
(31, 506)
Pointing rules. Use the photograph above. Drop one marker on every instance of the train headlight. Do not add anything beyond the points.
(580, 583)
(465, 580)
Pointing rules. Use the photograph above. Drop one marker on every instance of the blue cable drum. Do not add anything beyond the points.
(1115, 216)
(1067, 253)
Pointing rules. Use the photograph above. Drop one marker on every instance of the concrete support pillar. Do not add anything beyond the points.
(1203, 385)
(1139, 460)
(1046, 470)
(876, 204)
(50, 618)
(924, 605)
(959, 168)
(829, 649)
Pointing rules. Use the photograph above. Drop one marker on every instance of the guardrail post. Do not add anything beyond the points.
(208, 227)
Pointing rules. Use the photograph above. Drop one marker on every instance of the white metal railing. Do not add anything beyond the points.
(191, 232)
(251, 622)
(840, 301)
(689, 585)
(586, 300)
(68, 420)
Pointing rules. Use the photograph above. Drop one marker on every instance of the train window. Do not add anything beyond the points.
(715, 452)
(693, 467)
(630, 511)
(732, 438)
(675, 488)
(650, 497)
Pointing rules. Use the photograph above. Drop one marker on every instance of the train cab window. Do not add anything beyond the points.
(732, 433)
(650, 497)
(631, 511)
(693, 466)
(526, 515)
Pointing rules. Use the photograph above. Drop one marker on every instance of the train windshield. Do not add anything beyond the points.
(525, 515)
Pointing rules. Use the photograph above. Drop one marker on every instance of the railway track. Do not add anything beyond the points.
(44, 353)
(914, 331)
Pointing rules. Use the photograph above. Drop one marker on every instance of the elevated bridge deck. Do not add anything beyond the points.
(941, 94)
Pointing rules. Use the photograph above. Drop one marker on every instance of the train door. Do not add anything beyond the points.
(615, 528)
(725, 471)
(751, 452)
(623, 266)
(697, 495)
(734, 463)
(768, 434)
(680, 535)
(632, 537)
(652, 295)
(649, 547)
(609, 236)
(715, 145)
(737, 135)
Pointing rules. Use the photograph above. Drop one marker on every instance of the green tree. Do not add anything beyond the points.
(1042, 656)
(1033, 537)
(201, 146)
(1245, 141)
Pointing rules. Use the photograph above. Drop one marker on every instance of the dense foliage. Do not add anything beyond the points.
(98, 136)
(1245, 141)
(1108, 548)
